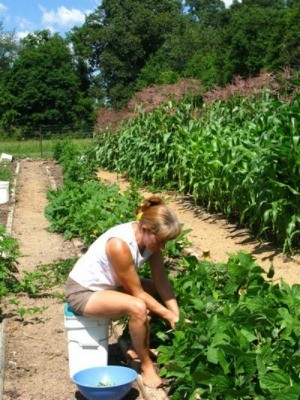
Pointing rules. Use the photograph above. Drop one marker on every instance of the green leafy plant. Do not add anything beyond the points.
(242, 341)
(77, 165)
(9, 253)
(240, 157)
(82, 207)
(12, 283)
(22, 312)
(45, 276)
(37, 283)
(86, 210)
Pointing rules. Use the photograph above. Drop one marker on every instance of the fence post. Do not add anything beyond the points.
(41, 142)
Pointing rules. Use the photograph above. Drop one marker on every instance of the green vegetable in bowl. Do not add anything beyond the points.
(105, 383)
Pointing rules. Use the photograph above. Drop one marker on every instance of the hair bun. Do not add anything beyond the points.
(151, 202)
(155, 201)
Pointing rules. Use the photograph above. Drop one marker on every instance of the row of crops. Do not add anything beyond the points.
(240, 157)
(242, 341)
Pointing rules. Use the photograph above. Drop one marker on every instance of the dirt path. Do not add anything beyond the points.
(30, 225)
(36, 353)
(214, 234)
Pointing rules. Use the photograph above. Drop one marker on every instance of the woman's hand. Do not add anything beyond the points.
(172, 318)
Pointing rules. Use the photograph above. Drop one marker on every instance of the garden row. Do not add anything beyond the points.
(243, 338)
(240, 157)
(76, 210)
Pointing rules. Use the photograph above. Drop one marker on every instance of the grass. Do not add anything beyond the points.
(5, 173)
(37, 148)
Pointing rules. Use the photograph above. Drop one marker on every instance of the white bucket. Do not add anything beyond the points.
(7, 157)
(87, 341)
(4, 192)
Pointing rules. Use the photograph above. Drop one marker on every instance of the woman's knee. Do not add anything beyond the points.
(138, 309)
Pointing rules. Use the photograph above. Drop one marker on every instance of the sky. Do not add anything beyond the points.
(27, 16)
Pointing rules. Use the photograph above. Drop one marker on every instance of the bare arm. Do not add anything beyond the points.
(162, 283)
(120, 257)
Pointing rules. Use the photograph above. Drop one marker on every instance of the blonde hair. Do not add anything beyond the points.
(159, 218)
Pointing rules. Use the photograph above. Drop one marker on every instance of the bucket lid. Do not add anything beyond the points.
(69, 312)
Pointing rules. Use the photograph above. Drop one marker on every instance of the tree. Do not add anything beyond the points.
(42, 86)
(207, 12)
(190, 50)
(118, 39)
(284, 48)
(8, 49)
(248, 36)
(168, 63)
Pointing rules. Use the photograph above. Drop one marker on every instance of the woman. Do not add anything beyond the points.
(104, 281)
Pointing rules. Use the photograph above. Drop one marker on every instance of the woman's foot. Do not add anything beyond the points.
(151, 378)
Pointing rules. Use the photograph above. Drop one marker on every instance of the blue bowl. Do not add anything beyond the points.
(111, 382)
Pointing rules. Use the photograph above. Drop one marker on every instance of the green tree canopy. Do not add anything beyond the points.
(42, 86)
(284, 47)
(215, 44)
(207, 12)
(120, 36)
(192, 49)
(248, 36)
(8, 49)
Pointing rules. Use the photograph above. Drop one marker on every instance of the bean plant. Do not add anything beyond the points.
(86, 210)
(83, 207)
(238, 337)
(9, 253)
(77, 165)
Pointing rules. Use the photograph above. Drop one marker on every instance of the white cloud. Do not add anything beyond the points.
(228, 3)
(21, 35)
(24, 27)
(63, 16)
(3, 8)
(24, 24)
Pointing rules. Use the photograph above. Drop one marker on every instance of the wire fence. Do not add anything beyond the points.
(44, 132)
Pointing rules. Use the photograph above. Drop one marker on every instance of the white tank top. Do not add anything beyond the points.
(94, 271)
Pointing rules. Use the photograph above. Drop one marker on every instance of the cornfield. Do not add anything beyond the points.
(240, 157)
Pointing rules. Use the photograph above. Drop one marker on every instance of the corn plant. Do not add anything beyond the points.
(240, 157)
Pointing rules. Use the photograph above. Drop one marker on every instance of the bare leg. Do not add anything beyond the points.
(114, 304)
(141, 346)
(132, 354)
(149, 287)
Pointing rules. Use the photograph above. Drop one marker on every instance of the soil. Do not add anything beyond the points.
(36, 359)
